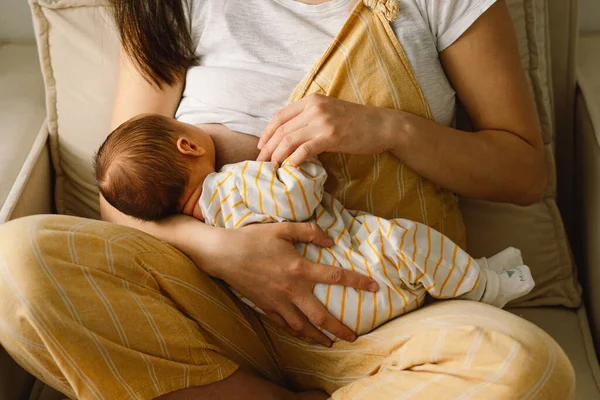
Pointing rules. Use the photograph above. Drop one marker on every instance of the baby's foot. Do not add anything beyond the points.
(507, 285)
(506, 259)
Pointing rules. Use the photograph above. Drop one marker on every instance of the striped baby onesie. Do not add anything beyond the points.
(406, 258)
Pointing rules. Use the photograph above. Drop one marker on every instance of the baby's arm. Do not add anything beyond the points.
(282, 192)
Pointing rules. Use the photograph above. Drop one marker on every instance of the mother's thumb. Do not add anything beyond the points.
(306, 232)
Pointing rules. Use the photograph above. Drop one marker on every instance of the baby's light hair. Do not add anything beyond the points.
(139, 169)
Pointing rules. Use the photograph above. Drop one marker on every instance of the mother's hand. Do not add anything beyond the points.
(317, 124)
(261, 263)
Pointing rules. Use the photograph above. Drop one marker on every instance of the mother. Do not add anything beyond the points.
(122, 315)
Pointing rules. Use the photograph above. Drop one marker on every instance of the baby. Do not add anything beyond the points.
(151, 167)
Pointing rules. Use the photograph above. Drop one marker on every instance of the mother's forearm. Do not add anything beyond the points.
(488, 164)
(187, 234)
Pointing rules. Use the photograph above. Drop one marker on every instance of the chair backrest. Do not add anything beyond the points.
(564, 30)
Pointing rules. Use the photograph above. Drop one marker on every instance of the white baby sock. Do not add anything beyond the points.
(506, 259)
(502, 287)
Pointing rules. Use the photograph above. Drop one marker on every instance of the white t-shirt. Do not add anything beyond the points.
(253, 53)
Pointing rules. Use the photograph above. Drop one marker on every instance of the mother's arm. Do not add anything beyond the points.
(502, 160)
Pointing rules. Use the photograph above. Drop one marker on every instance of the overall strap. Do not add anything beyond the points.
(388, 8)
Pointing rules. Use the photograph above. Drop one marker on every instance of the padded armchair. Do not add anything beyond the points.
(29, 186)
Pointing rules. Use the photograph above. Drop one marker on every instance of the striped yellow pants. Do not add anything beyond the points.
(100, 311)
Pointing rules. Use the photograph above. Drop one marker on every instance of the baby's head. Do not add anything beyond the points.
(152, 167)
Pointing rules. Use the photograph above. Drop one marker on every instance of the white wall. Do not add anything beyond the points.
(15, 21)
(589, 14)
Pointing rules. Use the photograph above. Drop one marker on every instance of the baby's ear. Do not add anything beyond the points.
(189, 147)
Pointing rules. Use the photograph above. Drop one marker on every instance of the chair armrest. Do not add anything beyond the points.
(24, 159)
(32, 191)
(587, 177)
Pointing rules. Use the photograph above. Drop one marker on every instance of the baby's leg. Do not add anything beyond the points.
(359, 310)
(425, 258)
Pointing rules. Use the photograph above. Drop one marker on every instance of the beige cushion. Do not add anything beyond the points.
(79, 56)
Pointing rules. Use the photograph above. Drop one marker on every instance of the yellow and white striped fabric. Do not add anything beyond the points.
(406, 258)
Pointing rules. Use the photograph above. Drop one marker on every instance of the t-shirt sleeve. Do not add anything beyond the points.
(196, 16)
(449, 19)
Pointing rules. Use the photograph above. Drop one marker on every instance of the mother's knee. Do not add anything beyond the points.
(30, 250)
(22, 239)
(22, 284)
(16, 251)
(19, 257)
(542, 369)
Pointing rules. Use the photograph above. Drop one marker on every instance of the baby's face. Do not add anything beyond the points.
(198, 149)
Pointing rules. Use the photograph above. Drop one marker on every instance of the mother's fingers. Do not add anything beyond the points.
(283, 136)
(280, 322)
(277, 320)
(308, 149)
(290, 143)
(281, 117)
(331, 275)
(298, 322)
(304, 232)
(319, 316)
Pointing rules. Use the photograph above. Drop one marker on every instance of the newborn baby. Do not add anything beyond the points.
(151, 167)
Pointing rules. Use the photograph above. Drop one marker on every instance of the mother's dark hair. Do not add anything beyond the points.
(156, 36)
